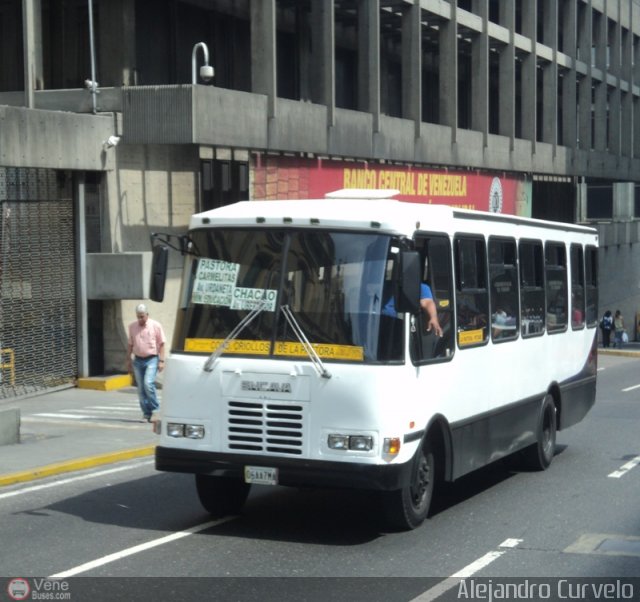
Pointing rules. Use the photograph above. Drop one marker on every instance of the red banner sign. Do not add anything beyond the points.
(293, 178)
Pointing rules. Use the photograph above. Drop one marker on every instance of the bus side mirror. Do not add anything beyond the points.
(158, 272)
(408, 295)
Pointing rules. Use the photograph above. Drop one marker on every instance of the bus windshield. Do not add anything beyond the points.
(335, 284)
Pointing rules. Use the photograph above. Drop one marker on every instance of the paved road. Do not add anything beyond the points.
(578, 519)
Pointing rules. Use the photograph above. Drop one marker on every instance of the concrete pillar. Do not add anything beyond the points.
(585, 82)
(369, 59)
(615, 93)
(412, 65)
(550, 75)
(600, 86)
(82, 307)
(635, 79)
(581, 201)
(448, 69)
(569, 93)
(480, 73)
(623, 201)
(626, 71)
(507, 76)
(323, 56)
(263, 52)
(529, 90)
(117, 43)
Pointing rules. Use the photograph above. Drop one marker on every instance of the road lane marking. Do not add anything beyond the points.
(131, 408)
(122, 423)
(471, 569)
(625, 468)
(631, 388)
(83, 477)
(60, 415)
(87, 566)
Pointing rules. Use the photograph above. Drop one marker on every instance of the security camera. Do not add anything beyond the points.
(111, 141)
(206, 73)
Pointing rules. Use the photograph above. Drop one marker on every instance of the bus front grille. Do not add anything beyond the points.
(273, 427)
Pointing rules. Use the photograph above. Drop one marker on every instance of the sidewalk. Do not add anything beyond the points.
(630, 349)
(74, 429)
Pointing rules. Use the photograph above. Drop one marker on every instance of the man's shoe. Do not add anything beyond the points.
(146, 418)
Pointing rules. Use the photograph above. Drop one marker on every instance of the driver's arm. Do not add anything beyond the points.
(429, 307)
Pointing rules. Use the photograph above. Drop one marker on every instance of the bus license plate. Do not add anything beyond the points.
(261, 475)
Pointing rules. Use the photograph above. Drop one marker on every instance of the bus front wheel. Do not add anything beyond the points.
(407, 508)
(539, 455)
(221, 496)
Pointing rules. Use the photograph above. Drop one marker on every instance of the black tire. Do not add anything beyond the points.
(539, 455)
(407, 508)
(221, 496)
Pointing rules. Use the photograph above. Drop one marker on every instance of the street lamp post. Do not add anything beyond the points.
(206, 71)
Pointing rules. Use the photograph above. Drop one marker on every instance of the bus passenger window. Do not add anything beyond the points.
(532, 295)
(472, 298)
(591, 285)
(577, 287)
(503, 275)
(556, 286)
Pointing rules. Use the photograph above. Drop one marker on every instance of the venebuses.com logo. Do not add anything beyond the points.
(19, 588)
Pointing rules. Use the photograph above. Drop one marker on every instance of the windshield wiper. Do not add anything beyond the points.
(304, 341)
(208, 365)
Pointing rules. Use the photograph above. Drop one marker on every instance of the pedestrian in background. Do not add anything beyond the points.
(606, 325)
(147, 346)
(618, 324)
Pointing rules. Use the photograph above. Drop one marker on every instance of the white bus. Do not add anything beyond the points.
(285, 369)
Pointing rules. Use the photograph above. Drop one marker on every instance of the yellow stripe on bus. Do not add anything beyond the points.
(333, 352)
(470, 337)
(236, 346)
(251, 347)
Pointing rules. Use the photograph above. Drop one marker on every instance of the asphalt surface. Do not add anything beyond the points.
(75, 429)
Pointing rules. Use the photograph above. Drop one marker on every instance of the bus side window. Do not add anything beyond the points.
(503, 274)
(472, 295)
(532, 295)
(591, 283)
(577, 287)
(436, 253)
(556, 286)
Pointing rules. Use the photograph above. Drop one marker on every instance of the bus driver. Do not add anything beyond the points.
(428, 305)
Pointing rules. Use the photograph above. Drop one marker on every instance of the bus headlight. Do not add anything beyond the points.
(193, 431)
(189, 431)
(350, 442)
(175, 429)
(360, 443)
(338, 442)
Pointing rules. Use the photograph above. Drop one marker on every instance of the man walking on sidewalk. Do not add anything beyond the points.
(147, 345)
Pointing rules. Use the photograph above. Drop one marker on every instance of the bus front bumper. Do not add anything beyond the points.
(293, 472)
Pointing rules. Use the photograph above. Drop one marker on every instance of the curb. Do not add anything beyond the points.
(105, 383)
(73, 465)
(620, 352)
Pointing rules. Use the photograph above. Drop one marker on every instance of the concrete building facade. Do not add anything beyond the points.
(530, 107)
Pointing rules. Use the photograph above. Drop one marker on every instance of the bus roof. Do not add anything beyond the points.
(357, 213)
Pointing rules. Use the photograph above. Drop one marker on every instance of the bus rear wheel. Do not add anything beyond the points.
(407, 508)
(539, 455)
(221, 496)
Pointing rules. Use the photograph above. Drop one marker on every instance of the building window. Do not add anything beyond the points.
(600, 201)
